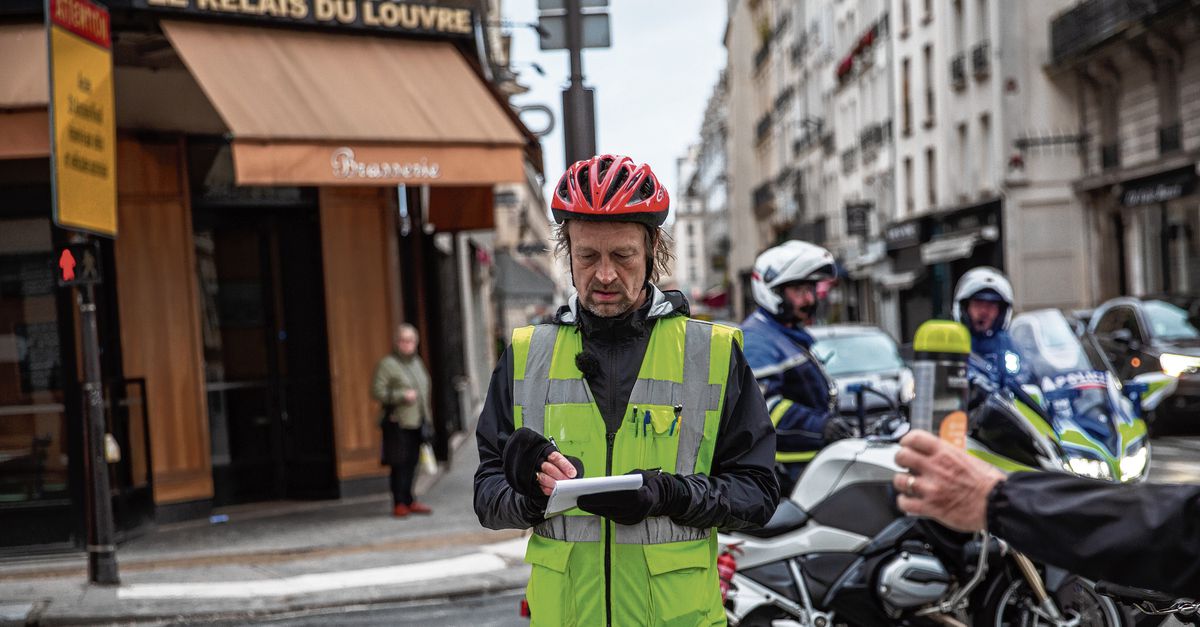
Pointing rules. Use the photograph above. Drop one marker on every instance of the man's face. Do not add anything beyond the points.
(608, 263)
(800, 298)
(982, 314)
(406, 343)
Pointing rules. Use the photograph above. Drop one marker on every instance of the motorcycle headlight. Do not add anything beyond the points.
(1090, 468)
(1175, 365)
(1132, 466)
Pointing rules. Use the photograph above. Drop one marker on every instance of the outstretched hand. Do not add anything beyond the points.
(943, 482)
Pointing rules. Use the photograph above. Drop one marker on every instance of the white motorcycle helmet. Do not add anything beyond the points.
(788, 262)
(985, 283)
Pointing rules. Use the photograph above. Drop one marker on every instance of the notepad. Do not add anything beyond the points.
(567, 491)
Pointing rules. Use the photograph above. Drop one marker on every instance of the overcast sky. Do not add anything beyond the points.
(651, 85)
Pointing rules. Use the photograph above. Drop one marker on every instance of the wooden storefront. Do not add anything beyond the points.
(309, 193)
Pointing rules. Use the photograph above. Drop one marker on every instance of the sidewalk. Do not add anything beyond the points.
(278, 558)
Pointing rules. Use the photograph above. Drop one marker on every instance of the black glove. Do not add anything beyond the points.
(522, 458)
(838, 428)
(661, 494)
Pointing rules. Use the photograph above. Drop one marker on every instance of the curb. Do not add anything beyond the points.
(504, 581)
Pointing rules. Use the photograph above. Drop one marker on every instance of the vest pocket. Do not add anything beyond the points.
(551, 599)
(661, 444)
(683, 583)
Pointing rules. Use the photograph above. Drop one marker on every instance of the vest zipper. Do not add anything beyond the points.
(608, 540)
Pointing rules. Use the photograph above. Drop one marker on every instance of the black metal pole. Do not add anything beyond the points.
(101, 542)
(579, 117)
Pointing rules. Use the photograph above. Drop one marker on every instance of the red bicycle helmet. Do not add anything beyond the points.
(610, 187)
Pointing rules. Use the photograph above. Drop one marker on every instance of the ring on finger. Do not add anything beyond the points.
(908, 487)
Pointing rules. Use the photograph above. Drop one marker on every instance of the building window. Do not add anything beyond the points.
(986, 175)
(959, 35)
(982, 19)
(1169, 136)
(907, 97)
(909, 202)
(931, 176)
(967, 176)
(1110, 154)
(929, 86)
(905, 18)
(928, 17)
(690, 228)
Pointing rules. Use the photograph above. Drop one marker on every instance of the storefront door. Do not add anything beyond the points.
(266, 353)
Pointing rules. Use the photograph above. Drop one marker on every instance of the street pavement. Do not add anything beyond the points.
(280, 558)
(1175, 460)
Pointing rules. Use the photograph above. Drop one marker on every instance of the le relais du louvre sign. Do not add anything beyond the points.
(376, 15)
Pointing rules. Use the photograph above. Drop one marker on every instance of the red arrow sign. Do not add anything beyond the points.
(67, 263)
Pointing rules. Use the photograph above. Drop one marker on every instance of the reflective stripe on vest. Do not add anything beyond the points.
(533, 391)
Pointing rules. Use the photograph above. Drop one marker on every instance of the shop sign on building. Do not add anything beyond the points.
(83, 129)
(1160, 188)
(379, 15)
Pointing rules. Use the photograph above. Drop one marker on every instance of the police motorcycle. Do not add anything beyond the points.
(1094, 419)
(838, 552)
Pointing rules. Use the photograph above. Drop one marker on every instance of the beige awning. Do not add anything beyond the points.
(309, 108)
(24, 92)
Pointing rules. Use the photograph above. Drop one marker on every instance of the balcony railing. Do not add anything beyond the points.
(981, 60)
(1170, 139)
(1095, 21)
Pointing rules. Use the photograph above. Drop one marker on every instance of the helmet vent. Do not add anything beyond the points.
(644, 191)
(584, 186)
(622, 176)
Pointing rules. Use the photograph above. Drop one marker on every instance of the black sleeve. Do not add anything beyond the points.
(1145, 536)
(741, 491)
(497, 505)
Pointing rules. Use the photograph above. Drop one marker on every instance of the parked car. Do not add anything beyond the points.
(1155, 341)
(857, 353)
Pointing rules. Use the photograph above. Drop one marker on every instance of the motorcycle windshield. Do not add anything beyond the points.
(1083, 410)
(1080, 398)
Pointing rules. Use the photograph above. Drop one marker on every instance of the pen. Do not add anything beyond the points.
(633, 419)
(678, 419)
(645, 422)
(554, 444)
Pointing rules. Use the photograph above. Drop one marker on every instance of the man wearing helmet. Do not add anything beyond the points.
(623, 382)
(800, 395)
(983, 302)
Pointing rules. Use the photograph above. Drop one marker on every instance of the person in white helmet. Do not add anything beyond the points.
(983, 302)
(800, 395)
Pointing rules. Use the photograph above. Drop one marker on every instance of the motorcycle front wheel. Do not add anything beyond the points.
(1010, 602)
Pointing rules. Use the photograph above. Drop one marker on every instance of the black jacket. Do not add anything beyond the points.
(1145, 536)
(740, 493)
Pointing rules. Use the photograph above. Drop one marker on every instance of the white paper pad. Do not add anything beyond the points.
(567, 491)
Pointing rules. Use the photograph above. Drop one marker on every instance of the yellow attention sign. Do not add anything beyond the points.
(83, 137)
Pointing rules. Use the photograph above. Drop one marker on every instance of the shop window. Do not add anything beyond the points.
(33, 429)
